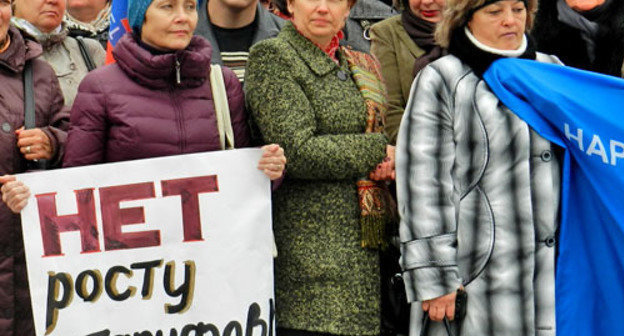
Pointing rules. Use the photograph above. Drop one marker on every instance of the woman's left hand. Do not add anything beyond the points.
(273, 161)
(14, 193)
(34, 144)
(385, 170)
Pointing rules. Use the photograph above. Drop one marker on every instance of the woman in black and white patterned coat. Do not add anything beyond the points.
(478, 189)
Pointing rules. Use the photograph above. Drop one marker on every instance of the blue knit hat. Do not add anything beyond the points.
(136, 13)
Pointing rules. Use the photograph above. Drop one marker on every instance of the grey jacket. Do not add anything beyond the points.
(269, 26)
(69, 65)
(478, 195)
(362, 16)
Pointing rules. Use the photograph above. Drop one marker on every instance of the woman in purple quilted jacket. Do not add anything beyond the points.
(156, 100)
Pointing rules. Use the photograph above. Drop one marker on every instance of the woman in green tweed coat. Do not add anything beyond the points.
(304, 98)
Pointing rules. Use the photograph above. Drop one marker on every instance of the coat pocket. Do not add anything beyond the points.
(475, 234)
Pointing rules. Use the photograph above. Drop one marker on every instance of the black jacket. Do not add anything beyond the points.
(555, 37)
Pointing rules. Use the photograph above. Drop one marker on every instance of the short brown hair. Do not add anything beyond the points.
(282, 6)
(457, 13)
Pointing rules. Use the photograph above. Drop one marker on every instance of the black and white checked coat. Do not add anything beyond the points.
(478, 196)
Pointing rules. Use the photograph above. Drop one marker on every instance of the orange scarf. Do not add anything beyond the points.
(7, 42)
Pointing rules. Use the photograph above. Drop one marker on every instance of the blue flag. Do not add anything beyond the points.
(118, 26)
(583, 112)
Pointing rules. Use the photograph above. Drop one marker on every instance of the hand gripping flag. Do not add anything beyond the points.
(583, 112)
(118, 26)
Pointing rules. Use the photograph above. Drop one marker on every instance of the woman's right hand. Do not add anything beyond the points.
(273, 161)
(14, 193)
(440, 307)
(34, 144)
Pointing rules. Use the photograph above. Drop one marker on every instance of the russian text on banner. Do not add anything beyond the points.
(177, 245)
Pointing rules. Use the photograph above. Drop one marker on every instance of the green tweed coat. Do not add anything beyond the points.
(301, 99)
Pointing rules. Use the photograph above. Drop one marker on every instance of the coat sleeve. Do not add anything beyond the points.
(236, 102)
(285, 116)
(383, 48)
(427, 202)
(86, 140)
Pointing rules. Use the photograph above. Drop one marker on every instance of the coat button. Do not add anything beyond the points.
(72, 66)
(341, 75)
(546, 155)
(6, 127)
(550, 241)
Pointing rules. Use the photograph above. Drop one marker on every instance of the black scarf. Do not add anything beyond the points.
(476, 58)
(598, 13)
(421, 32)
(152, 50)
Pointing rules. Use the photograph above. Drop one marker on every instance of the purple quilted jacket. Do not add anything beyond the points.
(51, 117)
(136, 108)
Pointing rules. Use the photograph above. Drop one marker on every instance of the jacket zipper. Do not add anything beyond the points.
(177, 70)
(179, 121)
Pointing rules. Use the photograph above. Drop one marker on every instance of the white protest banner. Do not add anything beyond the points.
(168, 246)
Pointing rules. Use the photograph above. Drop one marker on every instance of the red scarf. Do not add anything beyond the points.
(333, 46)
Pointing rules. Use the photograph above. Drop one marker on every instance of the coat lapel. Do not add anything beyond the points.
(315, 58)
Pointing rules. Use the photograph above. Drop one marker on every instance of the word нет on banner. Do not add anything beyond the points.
(178, 245)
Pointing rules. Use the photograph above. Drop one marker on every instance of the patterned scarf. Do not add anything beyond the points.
(47, 40)
(96, 26)
(333, 46)
(378, 209)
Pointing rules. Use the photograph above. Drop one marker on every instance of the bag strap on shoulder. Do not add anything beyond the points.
(86, 55)
(29, 109)
(222, 109)
(29, 96)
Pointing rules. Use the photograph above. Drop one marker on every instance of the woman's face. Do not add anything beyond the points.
(46, 15)
(319, 20)
(77, 5)
(429, 10)
(169, 24)
(5, 19)
(500, 25)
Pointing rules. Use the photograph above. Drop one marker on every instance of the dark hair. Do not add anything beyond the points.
(281, 6)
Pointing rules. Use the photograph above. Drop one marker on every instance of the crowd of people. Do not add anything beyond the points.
(374, 121)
